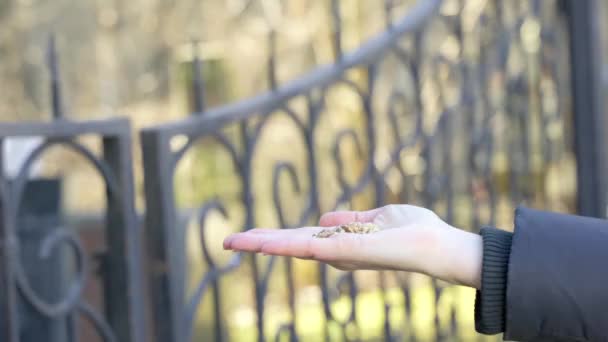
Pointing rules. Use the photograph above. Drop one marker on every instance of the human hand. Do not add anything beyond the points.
(411, 239)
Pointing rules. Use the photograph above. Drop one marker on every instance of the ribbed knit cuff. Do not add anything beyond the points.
(490, 300)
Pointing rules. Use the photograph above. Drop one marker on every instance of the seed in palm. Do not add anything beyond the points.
(353, 227)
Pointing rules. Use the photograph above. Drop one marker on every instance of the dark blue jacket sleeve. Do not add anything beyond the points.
(556, 283)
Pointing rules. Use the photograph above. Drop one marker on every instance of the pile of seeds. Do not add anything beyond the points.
(353, 227)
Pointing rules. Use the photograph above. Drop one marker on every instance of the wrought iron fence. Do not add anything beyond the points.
(462, 107)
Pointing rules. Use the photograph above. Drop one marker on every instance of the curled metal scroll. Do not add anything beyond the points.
(281, 110)
(195, 300)
(251, 137)
(219, 138)
(52, 241)
(103, 169)
(340, 172)
(280, 168)
(364, 180)
(66, 304)
(396, 97)
(213, 205)
(286, 167)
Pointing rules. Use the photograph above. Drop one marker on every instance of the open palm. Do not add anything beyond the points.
(411, 239)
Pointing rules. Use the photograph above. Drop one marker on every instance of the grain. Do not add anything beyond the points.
(353, 228)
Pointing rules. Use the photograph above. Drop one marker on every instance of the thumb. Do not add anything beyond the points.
(336, 218)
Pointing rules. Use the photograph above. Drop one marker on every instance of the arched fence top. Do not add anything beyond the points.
(412, 22)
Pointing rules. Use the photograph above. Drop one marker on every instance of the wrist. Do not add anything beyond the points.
(461, 257)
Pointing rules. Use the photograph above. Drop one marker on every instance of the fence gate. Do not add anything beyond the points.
(41, 296)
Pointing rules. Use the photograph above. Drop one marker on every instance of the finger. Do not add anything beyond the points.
(228, 239)
(341, 217)
(251, 240)
(336, 248)
(294, 246)
(245, 241)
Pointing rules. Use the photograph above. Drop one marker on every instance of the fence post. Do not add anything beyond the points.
(588, 107)
(9, 330)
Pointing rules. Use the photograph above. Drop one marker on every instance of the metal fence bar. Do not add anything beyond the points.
(57, 108)
(590, 120)
(166, 281)
(123, 266)
(9, 324)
